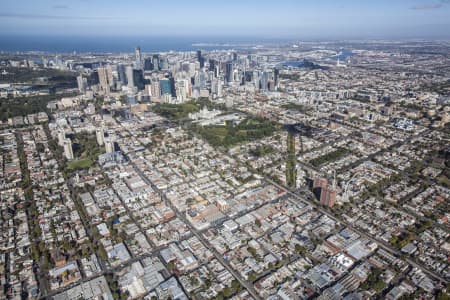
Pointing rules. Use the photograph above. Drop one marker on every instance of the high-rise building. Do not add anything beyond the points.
(122, 74)
(165, 86)
(68, 152)
(156, 89)
(129, 74)
(100, 135)
(148, 64)
(155, 62)
(212, 66)
(216, 87)
(82, 84)
(276, 76)
(109, 76)
(182, 89)
(103, 79)
(328, 196)
(138, 58)
(138, 79)
(163, 63)
(109, 145)
(320, 182)
(200, 58)
(229, 71)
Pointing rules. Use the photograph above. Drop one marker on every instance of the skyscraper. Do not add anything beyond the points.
(138, 58)
(148, 64)
(156, 89)
(276, 75)
(229, 71)
(129, 74)
(165, 86)
(200, 58)
(155, 61)
(82, 84)
(138, 79)
(103, 79)
(328, 196)
(109, 76)
(122, 74)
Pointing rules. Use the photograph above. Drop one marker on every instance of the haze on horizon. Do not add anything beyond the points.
(257, 18)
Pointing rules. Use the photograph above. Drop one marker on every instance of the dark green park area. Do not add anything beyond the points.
(329, 157)
(250, 129)
(39, 77)
(179, 112)
(262, 150)
(22, 106)
(85, 150)
(295, 107)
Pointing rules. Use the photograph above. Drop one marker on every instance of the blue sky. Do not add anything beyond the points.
(259, 18)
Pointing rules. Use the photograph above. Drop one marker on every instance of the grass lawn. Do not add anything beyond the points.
(249, 129)
(79, 164)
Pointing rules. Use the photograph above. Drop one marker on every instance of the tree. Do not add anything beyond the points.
(300, 249)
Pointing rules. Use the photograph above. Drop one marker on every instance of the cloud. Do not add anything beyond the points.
(50, 17)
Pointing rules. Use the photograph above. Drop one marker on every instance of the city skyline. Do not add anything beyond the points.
(282, 19)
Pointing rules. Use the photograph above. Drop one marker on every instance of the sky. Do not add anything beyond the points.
(239, 18)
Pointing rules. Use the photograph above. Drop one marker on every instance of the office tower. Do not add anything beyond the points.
(122, 74)
(200, 58)
(229, 71)
(182, 89)
(256, 79)
(216, 87)
(219, 87)
(82, 84)
(138, 79)
(103, 79)
(156, 89)
(163, 63)
(138, 58)
(235, 56)
(148, 64)
(156, 62)
(172, 86)
(100, 135)
(148, 90)
(276, 75)
(165, 86)
(217, 70)
(68, 152)
(212, 66)
(129, 74)
(265, 78)
(109, 76)
(109, 145)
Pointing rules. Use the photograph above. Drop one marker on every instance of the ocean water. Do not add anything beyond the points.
(101, 44)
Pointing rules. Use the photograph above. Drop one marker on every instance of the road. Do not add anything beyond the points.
(198, 234)
(380, 243)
